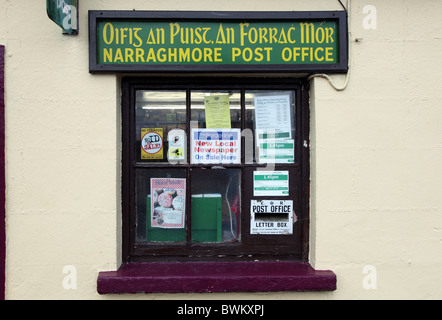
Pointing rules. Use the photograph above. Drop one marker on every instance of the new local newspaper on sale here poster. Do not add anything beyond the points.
(215, 146)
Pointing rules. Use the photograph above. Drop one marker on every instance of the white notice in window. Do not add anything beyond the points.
(270, 183)
(272, 113)
(271, 217)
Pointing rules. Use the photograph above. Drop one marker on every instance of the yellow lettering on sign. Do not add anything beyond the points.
(329, 34)
(273, 33)
(319, 35)
(307, 33)
(286, 54)
(160, 35)
(184, 54)
(151, 56)
(263, 35)
(242, 32)
(205, 34)
(129, 55)
(108, 33)
(217, 55)
(123, 34)
(137, 37)
(282, 37)
(289, 37)
(247, 54)
(253, 35)
(198, 36)
(161, 55)
(226, 36)
(236, 52)
(310, 54)
(113, 35)
(300, 42)
(329, 54)
(151, 37)
(118, 56)
(259, 56)
(197, 55)
(208, 55)
(172, 55)
(189, 35)
(139, 55)
(107, 55)
(174, 30)
(157, 37)
(317, 58)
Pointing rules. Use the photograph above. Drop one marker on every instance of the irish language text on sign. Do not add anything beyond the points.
(224, 42)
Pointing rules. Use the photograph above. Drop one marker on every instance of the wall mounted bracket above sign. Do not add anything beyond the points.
(168, 41)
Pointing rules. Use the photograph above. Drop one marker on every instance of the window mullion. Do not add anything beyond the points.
(188, 171)
(243, 124)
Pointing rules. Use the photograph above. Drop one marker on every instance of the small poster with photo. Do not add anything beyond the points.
(168, 205)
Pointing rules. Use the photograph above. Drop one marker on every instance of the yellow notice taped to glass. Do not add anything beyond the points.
(151, 143)
(217, 112)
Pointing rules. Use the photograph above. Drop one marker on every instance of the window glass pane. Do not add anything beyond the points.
(216, 203)
(216, 109)
(160, 205)
(271, 117)
(215, 136)
(157, 114)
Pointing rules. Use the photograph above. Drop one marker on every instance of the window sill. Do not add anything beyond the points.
(199, 277)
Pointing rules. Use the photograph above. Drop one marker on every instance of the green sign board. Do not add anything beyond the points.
(64, 13)
(144, 41)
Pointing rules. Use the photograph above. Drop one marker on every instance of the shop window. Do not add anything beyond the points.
(215, 171)
(215, 168)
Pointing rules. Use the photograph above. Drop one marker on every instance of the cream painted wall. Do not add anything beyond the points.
(376, 154)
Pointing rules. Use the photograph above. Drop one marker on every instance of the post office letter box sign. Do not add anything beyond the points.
(271, 217)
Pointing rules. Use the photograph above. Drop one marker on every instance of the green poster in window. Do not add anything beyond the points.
(270, 183)
(276, 151)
